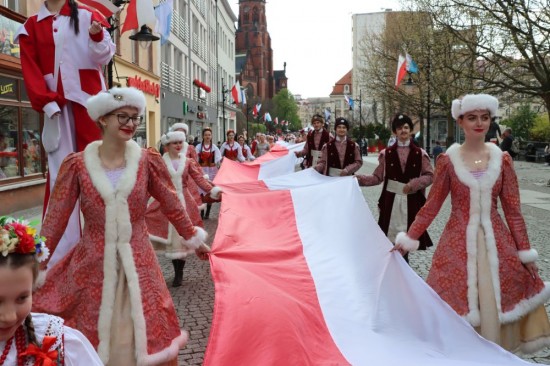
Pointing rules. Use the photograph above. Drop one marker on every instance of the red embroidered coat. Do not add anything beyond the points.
(80, 288)
(453, 274)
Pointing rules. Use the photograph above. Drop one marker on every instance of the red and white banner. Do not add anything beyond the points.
(304, 276)
(401, 70)
(105, 7)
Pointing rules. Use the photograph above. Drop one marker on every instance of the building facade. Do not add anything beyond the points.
(339, 105)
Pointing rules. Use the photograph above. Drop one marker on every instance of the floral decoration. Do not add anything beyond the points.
(18, 236)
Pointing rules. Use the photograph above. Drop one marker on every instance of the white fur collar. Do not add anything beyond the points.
(175, 173)
(98, 176)
(465, 176)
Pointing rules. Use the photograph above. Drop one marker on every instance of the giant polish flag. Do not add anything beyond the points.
(140, 12)
(304, 276)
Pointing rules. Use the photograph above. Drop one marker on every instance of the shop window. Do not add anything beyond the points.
(9, 141)
(30, 144)
(8, 28)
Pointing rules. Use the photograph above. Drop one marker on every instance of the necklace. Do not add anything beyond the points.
(7, 348)
(20, 342)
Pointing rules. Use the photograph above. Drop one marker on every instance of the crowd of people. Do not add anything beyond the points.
(97, 291)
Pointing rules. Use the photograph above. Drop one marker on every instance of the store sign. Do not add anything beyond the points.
(8, 88)
(145, 86)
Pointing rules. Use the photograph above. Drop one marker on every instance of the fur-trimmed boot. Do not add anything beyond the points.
(178, 271)
(207, 214)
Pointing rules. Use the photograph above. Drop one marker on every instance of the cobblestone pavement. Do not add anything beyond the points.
(194, 300)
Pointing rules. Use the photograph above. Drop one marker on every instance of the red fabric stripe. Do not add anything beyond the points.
(98, 6)
(235, 172)
(266, 310)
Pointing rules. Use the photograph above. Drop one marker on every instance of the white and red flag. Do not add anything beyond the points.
(236, 92)
(304, 276)
(139, 12)
(105, 7)
(401, 70)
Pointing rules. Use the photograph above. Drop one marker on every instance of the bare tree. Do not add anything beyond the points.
(508, 38)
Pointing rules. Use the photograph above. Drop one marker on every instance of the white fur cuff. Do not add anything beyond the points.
(528, 256)
(207, 177)
(215, 193)
(40, 279)
(196, 240)
(406, 242)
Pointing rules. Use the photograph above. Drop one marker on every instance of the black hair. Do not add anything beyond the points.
(399, 120)
(74, 16)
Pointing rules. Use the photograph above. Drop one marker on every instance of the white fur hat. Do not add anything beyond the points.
(179, 125)
(474, 102)
(172, 136)
(107, 101)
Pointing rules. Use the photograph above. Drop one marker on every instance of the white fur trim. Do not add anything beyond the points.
(118, 232)
(529, 348)
(480, 215)
(215, 193)
(206, 176)
(525, 306)
(407, 242)
(178, 126)
(40, 279)
(167, 354)
(158, 239)
(528, 255)
(474, 102)
(196, 240)
(202, 207)
(172, 136)
(107, 101)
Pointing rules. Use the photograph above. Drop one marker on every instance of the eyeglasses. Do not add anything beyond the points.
(124, 118)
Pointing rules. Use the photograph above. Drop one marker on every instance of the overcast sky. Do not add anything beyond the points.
(314, 38)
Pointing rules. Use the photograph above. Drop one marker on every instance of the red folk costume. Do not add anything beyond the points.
(61, 71)
(160, 229)
(111, 279)
(314, 144)
(232, 151)
(339, 155)
(475, 230)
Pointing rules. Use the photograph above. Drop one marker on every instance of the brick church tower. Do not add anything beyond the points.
(254, 56)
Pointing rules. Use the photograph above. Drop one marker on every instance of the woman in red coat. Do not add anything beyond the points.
(110, 286)
(482, 267)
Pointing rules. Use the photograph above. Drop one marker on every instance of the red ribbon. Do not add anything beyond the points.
(42, 356)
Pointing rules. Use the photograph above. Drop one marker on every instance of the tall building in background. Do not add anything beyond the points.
(254, 56)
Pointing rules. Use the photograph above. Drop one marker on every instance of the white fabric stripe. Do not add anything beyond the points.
(378, 311)
(281, 166)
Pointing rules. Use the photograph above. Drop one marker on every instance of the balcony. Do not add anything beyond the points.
(180, 28)
(174, 80)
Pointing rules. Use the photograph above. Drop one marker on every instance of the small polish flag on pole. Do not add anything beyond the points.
(236, 92)
(140, 12)
(401, 70)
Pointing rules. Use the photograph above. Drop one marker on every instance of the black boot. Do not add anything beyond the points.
(207, 214)
(178, 271)
(202, 214)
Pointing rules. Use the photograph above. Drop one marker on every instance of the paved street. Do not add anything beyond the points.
(194, 299)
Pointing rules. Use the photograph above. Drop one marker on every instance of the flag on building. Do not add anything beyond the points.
(327, 115)
(139, 12)
(401, 70)
(256, 110)
(236, 92)
(293, 288)
(349, 101)
(411, 65)
(243, 96)
(267, 117)
(163, 13)
(105, 7)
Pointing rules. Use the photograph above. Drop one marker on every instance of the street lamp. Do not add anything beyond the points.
(409, 84)
(360, 121)
(224, 91)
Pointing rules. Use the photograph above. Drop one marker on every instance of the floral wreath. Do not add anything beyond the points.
(18, 236)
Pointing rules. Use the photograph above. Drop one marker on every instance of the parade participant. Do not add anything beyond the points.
(182, 170)
(255, 143)
(191, 153)
(315, 141)
(25, 337)
(245, 149)
(63, 51)
(271, 141)
(103, 286)
(230, 149)
(406, 172)
(340, 156)
(262, 147)
(209, 160)
(484, 269)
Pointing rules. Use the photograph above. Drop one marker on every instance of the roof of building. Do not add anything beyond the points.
(338, 88)
(279, 74)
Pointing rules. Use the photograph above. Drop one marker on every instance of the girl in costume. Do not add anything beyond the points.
(63, 50)
(484, 269)
(245, 149)
(32, 338)
(182, 170)
(230, 149)
(110, 286)
(209, 160)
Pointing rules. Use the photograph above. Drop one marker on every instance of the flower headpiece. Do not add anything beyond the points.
(18, 236)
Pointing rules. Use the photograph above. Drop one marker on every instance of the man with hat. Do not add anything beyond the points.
(406, 171)
(340, 156)
(315, 141)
